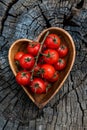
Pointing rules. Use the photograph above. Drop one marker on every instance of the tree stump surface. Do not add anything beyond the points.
(26, 19)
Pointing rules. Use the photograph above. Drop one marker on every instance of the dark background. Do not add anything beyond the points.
(26, 19)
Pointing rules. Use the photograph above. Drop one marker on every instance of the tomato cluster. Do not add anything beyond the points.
(40, 69)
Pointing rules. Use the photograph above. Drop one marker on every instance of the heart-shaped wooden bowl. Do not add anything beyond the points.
(20, 45)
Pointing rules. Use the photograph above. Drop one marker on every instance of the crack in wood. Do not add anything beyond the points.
(41, 1)
(6, 14)
(68, 19)
(45, 18)
(18, 126)
(80, 4)
(14, 16)
(4, 97)
(34, 19)
(24, 6)
(2, 77)
(55, 109)
(80, 105)
(4, 88)
(68, 92)
(5, 125)
(1, 47)
(3, 3)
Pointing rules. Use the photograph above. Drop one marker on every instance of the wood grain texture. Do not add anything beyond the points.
(26, 19)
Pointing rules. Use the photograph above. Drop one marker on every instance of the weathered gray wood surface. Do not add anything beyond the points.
(26, 19)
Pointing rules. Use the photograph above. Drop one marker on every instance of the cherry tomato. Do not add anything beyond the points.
(47, 71)
(38, 86)
(33, 48)
(50, 56)
(55, 77)
(62, 50)
(60, 65)
(23, 78)
(52, 41)
(18, 55)
(27, 61)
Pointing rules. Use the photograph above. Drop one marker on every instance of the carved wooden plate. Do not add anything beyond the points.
(20, 45)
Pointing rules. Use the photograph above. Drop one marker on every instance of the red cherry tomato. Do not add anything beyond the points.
(27, 61)
(23, 78)
(18, 55)
(60, 65)
(52, 41)
(55, 77)
(62, 50)
(38, 86)
(33, 48)
(50, 56)
(47, 71)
